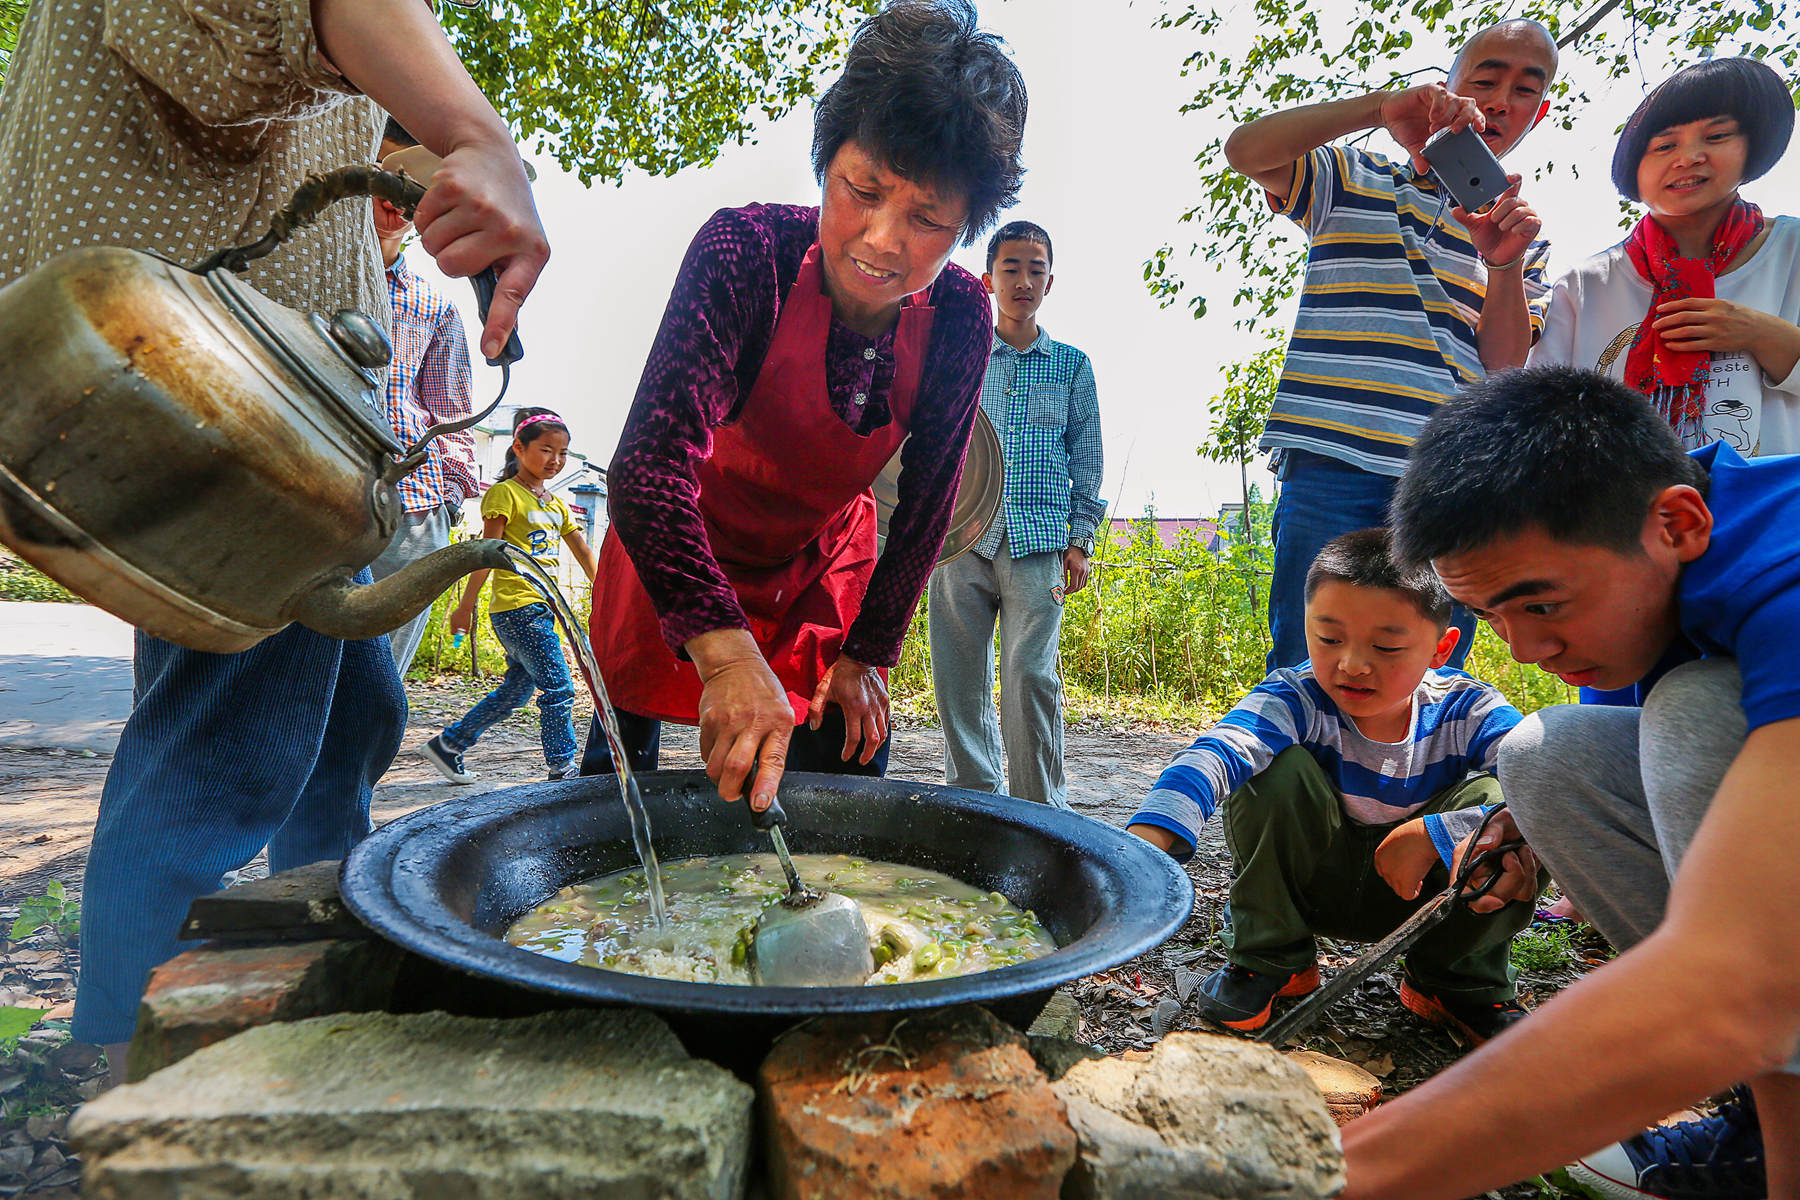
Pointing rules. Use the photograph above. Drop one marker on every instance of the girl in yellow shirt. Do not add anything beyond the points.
(521, 509)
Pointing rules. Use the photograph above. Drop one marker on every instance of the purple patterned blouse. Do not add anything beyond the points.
(714, 335)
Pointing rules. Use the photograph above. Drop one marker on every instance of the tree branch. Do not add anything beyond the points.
(1587, 23)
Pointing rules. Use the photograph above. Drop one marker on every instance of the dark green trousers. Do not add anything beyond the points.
(1302, 867)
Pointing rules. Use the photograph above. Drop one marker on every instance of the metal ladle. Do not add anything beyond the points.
(807, 938)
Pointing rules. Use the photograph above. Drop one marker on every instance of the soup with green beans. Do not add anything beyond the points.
(924, 925)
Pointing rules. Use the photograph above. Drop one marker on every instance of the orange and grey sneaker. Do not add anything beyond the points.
(1239, 998)
(1477, 1020)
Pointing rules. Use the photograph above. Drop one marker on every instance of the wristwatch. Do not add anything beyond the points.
(1085, 545)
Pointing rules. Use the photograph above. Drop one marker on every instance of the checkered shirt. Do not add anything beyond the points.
(1043, 405)
(428, 382)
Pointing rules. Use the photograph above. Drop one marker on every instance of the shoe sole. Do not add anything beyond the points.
(1603, 1187)
(1429, 1008)
(444, 768)
(1303, 984)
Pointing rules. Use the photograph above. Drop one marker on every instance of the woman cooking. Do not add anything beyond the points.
(1697, 309)
(738, 586)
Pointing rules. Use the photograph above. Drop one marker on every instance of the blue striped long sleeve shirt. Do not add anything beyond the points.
(1457, 725)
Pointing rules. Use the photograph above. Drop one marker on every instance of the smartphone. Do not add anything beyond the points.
(1465, 167)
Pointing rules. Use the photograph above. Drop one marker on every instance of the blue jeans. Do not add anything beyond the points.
(1320, 499)
(534, 661)
(278, 745)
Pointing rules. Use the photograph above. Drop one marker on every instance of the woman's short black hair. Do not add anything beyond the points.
(1364, 558)
(1745, 89)
(1562, 449)
(927, 93)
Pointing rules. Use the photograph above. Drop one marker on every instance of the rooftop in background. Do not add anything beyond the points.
(1169, 529)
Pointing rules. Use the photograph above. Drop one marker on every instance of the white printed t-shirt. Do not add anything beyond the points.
(1596, 309)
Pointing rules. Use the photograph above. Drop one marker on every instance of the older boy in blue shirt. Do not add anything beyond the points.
(1347, 782)
(1560, 507)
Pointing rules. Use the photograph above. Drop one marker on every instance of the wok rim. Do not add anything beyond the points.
(388, 881)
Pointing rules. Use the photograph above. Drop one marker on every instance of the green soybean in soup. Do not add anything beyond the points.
(926, 925)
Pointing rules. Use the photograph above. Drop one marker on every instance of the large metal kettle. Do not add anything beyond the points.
(201, 461)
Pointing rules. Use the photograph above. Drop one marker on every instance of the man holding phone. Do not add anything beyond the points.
(1378, 343)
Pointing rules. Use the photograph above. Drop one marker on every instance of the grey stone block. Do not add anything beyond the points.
(377, 1106)
(1203, 1118)
(299, 904)
(1061, 1017)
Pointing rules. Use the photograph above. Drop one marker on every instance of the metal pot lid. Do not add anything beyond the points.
(337, 359)
(977, 497)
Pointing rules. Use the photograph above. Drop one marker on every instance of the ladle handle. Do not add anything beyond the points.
(316, 194)
(769, 817)
(485, 281)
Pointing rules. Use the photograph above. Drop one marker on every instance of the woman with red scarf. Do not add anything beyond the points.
(1699, 308)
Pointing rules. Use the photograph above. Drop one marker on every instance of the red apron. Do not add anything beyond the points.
(788, 514)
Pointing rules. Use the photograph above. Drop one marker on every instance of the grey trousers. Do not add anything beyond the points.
(966, 597)
(422, 533)
(1610, 798)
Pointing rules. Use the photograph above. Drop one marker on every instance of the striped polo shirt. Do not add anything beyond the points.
(1388, 310)
(1457, 724)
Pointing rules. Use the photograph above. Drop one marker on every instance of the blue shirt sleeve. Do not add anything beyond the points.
(1275, 715)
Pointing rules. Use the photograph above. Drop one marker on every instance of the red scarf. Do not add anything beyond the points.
(1652, 367)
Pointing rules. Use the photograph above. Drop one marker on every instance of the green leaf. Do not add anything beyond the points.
(54, 889)
(15, 1022)
(606, 88)
(34, 914)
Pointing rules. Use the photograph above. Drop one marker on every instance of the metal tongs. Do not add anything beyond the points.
(1432, 913)
(807, 938)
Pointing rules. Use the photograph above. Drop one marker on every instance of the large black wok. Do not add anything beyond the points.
(446, 881)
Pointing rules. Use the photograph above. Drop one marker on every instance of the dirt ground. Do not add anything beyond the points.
(48, 800)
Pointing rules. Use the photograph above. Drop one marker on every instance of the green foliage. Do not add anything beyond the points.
(22, 581)
(1239, 412)
(1177, 636)
(53, 910)
(656, 86)
(14, 1024)
(11, 13)
(1161, 633)
(1545, 948)
(1294, 57)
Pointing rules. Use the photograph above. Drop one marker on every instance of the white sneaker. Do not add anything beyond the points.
(448, 763)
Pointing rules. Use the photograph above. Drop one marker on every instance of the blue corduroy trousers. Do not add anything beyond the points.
(280, 746)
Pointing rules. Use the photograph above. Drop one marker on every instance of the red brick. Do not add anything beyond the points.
(953, 1108)
(206, 995)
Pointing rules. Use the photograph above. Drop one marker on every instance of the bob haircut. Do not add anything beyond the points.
(1562, 449)
(1742, 88)
(936, 100)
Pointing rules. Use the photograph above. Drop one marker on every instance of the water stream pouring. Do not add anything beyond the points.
(533, 572)
(806, 938)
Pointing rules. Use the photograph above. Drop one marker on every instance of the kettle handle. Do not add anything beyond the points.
(312, 197)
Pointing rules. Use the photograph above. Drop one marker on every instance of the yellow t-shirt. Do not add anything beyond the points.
(536, 527)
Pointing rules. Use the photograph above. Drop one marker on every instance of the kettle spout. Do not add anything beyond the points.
(353, 611)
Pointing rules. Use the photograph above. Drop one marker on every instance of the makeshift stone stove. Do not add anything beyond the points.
(294, 1055)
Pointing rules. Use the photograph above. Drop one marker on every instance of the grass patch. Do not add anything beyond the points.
(1546, 948)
